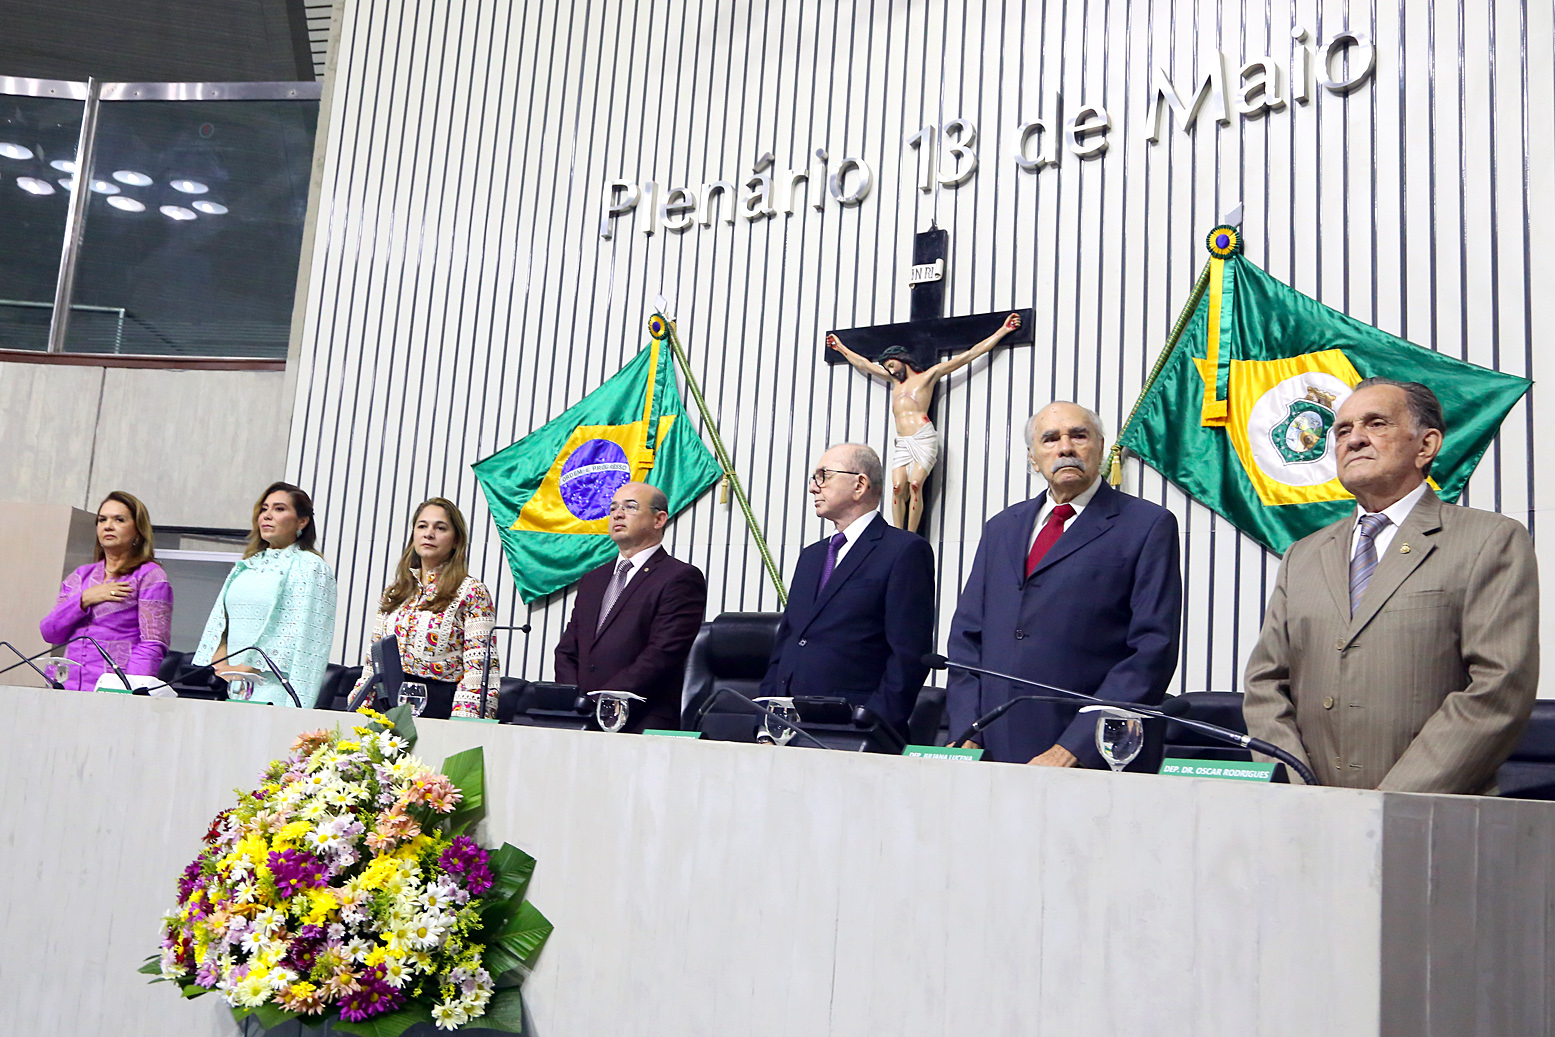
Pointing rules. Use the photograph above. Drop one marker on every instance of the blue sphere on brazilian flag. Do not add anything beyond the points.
(1239, 411)
(550, 492)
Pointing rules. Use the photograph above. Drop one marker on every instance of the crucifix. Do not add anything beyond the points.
(913, 357)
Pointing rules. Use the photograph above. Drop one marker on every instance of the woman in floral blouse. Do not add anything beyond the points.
(441, 615)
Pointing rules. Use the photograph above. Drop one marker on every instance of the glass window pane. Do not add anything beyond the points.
(194, 230)
(38, 136)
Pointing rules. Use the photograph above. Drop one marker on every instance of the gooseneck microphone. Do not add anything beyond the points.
(28, 660)
(484, 630)
(125, 681)
(935, 661)
(211, 666)
(706, 706)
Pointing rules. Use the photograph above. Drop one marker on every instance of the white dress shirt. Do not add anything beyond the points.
(637, 561)
(853, 532)
(1078, 504)
(1396, 512)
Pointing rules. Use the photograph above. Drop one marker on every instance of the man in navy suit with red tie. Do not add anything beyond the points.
(635, 616)
(1078, 588)
(860, 613)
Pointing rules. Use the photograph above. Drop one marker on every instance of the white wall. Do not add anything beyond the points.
(460, 294)
(195, 446)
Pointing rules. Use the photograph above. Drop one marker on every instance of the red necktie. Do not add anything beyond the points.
(1048, 537)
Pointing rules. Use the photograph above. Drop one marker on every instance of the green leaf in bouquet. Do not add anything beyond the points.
(269, 1015)
(467, 771)
(152, 966)
(522, 936)
(404, 723)
(194, 990)
(511, 869)
(504, 1013)
(389, 1024)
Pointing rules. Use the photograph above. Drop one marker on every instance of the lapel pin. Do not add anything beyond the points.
(1404, 550)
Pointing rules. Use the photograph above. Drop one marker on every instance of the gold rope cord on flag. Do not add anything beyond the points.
(723, 461)
(1115, 466)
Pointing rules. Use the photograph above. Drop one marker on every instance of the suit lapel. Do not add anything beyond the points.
(1393, 568)
(857, 552)
(1091, 523)
(1018, 547)
(1334, 557)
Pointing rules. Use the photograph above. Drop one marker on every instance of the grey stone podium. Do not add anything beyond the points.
(720, 889)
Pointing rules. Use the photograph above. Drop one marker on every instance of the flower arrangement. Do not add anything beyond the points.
(346, 889)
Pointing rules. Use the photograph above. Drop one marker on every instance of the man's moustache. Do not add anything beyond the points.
(1068, 462)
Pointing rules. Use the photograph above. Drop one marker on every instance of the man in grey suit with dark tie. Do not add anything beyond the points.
(1400, 647)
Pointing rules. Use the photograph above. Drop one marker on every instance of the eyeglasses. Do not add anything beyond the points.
(820, 475)
(630, 506)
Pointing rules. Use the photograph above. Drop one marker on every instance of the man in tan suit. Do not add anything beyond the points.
(1400, 647)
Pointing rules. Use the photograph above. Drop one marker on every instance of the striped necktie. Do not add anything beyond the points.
(1364, 563)
(613, 591)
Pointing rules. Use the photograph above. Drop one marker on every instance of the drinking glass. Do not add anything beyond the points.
(414, 695)
(613, 708)
(1120, 738)
(773, 730)
(56, 668)
(240, 686)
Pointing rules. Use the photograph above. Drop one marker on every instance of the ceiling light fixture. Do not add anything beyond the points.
(105, 187)
(127, 203)
(177, 212)
(16, 151)
(32, 185)
(134, 179)
(68, 183)
(189, 186)
(210, 208)
(64, 165)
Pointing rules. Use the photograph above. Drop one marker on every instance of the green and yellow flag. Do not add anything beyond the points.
(550, 492)
(1240, 410)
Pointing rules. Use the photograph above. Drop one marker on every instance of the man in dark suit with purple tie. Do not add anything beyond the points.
(1077, 588)
(860, 613)
(635, 616)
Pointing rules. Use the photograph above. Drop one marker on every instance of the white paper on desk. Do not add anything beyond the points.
(109, 682)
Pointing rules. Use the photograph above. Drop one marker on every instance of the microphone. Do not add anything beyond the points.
(31, 665)
(107, 659)
(212, 666)
(935, 661)
(483, 629)
(707, 706)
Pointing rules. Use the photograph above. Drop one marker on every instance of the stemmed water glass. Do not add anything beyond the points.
(56, 668)
(414, 695)
(1120, 736)
(774, 730)
(613, 708)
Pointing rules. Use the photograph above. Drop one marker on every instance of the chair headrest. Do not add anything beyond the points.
(1538, 741)
(739, 644)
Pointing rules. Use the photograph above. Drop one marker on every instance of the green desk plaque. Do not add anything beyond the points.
(475, 720)
(671, 734)
(943, 752)
(1234, 770)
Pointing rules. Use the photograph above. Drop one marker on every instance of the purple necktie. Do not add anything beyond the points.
(831, 559)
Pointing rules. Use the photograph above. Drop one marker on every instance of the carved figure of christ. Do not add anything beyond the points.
(916, 447)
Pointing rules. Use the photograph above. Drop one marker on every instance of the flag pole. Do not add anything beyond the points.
(723, 460)
(1115, 465)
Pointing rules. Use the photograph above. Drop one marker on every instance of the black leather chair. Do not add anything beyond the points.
(335, 691)
(730, 652)
(1223, 708)
(926, 725)
(1530, 771)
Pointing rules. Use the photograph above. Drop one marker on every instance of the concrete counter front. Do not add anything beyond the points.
(730, 890)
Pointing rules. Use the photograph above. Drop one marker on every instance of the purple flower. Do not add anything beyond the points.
(372, 997)
(303, 949)
(188, 881)
(295, 870)
(468, 862)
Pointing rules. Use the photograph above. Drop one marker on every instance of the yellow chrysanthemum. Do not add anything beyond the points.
(321, 907)
(376, 956)
(379, 872)
(290, 835)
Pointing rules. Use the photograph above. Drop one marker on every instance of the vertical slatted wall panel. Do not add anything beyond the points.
(461, 295)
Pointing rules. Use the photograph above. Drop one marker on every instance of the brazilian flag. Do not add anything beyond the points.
(550, 492)
(1240, 413)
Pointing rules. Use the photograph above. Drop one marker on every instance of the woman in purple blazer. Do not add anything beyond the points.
(122, 599)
